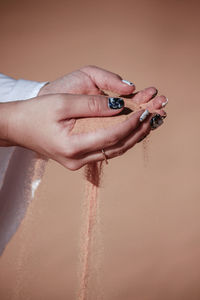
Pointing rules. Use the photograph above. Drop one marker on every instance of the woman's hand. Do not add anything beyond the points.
(89, 80)
(44, 124)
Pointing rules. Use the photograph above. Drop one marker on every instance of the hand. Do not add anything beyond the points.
(89, 80)
(94, 80)
(44, 124)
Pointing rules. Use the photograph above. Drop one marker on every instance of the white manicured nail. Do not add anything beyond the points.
(144, 115)
(165, 103)
(128, 82)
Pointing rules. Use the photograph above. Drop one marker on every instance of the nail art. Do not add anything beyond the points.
(115, 103)
(165, 103)
(128, 82)
(144, 115)
(156, 121)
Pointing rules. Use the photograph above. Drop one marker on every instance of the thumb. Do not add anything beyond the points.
(108, 81)
(77, 106)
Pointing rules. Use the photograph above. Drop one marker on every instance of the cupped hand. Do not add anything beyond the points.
(94, 80)
(89, 80)
(44, 124)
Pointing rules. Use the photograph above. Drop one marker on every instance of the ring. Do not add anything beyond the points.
(104, 155)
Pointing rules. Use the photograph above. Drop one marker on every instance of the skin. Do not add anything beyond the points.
(44, 124)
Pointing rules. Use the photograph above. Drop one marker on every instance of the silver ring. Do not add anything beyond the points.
(104, 155)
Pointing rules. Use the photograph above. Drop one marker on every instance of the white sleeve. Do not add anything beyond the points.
(12, 89)
(20, 169)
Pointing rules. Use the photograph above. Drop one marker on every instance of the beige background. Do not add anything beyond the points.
(150, 214)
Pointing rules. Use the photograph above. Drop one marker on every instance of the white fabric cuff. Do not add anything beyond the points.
(25, 89)
(13, 90)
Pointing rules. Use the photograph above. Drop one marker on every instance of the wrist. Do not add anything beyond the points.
(44, 89)
(6, 116)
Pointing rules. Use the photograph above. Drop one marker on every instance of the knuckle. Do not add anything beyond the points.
(94, 105)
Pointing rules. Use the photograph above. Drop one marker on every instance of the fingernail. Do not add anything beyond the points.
(165, 103)
(128, 82)
(144, 115)
(156, 121)
(115, 103)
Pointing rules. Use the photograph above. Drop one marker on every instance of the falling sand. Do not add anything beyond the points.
(93, 174)
(145, 143)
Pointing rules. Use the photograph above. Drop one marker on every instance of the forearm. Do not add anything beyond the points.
(12, 90)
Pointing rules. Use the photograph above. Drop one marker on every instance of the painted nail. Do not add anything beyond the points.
(165, 103)
(128, 82)
(156, 121)
(144, 115)
(115, 103)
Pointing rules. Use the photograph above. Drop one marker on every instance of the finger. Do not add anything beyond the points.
(106, 80)
(121, 147)
(145, 95)
(161, 112)
(75, 106)
(157, 103)
(103, 138)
